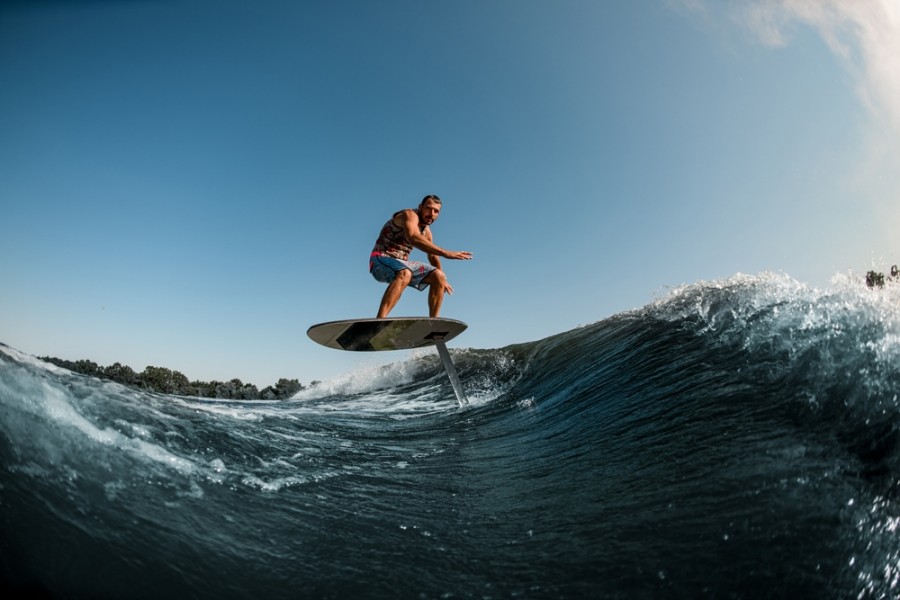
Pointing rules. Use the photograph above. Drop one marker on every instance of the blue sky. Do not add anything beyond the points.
(192, 184)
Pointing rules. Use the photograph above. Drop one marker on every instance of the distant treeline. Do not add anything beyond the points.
(167, 381)
(876, 279)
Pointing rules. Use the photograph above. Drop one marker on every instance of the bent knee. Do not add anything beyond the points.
(436, 276)
(404, 276)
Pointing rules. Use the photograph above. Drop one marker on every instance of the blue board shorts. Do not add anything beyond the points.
(385, 269)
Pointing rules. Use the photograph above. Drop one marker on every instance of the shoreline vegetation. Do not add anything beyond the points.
(876, 279)
(167, 381)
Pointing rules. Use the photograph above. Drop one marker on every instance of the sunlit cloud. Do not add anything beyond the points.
(865, 34)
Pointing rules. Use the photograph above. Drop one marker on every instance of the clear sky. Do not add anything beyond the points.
(193, 183)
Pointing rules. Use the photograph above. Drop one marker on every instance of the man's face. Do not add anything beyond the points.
(429, 211)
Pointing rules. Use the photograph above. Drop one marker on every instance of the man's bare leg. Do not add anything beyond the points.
(393, 292)
(437, 282)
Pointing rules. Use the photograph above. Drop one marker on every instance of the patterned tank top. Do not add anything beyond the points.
(392, 240)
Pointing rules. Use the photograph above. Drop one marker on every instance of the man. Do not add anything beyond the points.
(390, 264)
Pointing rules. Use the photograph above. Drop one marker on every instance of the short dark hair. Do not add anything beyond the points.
(431, 197)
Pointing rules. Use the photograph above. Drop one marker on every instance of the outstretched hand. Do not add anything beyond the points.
(459, 255)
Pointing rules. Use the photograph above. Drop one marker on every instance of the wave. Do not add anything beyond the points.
(730, 437)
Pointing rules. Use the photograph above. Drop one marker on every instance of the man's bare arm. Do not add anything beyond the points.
(409, 220)
(434, 259)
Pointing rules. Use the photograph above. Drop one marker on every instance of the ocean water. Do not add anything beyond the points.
(733, 439)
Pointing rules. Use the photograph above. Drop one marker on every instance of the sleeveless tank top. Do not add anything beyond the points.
(392, 240)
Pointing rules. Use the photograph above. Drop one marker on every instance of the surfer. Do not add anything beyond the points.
(389, 262)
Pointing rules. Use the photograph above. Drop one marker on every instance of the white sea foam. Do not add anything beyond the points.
(27, 359)
(366, 379)
(53, 402)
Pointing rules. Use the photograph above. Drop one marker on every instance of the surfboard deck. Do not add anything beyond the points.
(397, 333)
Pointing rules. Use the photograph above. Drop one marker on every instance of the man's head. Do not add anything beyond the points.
(429, 209)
